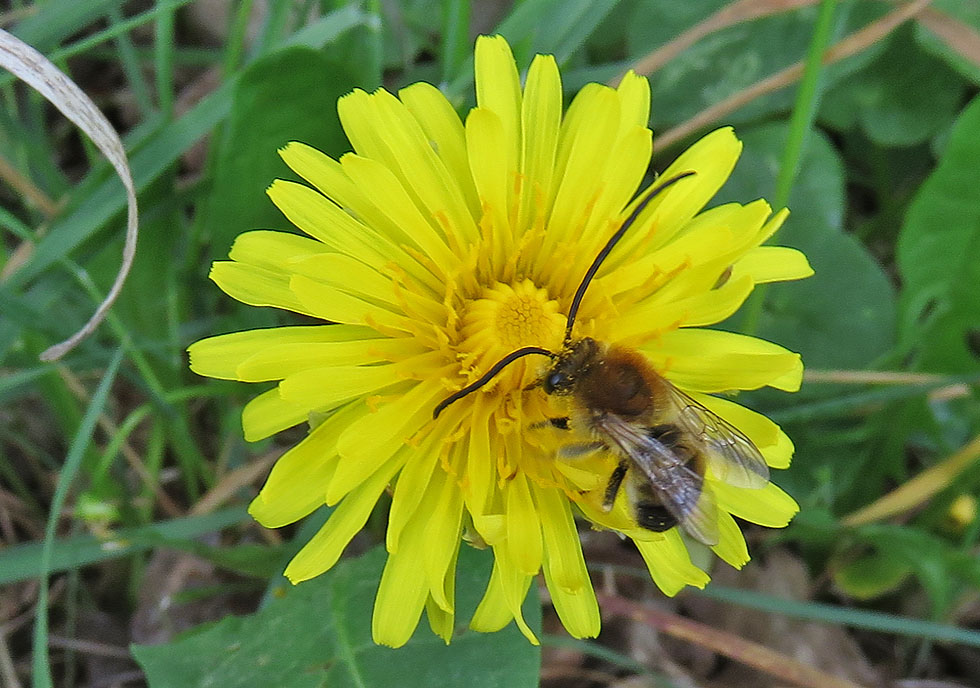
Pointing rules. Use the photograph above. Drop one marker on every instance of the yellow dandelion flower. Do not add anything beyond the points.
(439, 249)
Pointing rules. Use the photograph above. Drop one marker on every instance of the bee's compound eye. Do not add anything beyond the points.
(553, 381)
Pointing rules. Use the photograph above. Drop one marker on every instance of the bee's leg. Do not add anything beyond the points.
(559, 423)
(612, 487)
(576, 449)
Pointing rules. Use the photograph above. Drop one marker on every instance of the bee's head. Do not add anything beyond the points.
(569, 366)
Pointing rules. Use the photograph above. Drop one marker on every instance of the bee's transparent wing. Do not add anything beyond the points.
(732, 456)
(690, 500)
(681, 490)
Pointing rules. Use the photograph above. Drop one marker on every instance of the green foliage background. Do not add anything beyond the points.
(885, 202)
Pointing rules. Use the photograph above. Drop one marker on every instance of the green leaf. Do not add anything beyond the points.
(291, 95)
(319, 633)
(844, 315)
(727, 61)
(843, 616)
(871, 575)
(942, 568)
(23, 562)
(937, 253)
(841, 317)
(965, 13)
(360, 50)
(73, 461)
(902, 98)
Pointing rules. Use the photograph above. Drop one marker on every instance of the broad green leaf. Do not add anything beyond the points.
(940, 567)
(361, 51)
(937, 253)
(290, 95)
(871, 575)
(902, 98)
(844, 315)
(955, 14)
(841, 317)
(318, 633)
(727, 61)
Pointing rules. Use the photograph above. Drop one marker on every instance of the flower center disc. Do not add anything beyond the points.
(505, 318)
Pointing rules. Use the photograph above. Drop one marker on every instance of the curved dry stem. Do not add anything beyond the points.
(962, 39)
(850, 45)
(729, 15)
(37, 71)
(26, 188)
(750, 653)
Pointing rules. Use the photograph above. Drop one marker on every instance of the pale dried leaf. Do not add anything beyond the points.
(37, 71)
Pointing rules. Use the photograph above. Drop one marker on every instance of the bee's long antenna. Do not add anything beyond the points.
(604, 253)
(489, 375)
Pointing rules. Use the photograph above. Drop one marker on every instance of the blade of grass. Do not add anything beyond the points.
(872, 377)
(158, 153)
(842, 616)
(235, 45)
(163, 49)
(103, 201)
(455, 37)
(849, 404)
(960, 37)
(79, 444)
(26, 188)
(39, 73)
(113, 31)
(569, 24)
(603, 653)
(129, 61)
(805, 107)
(24, 562)
(153, 451)
(12, 382)
(277, 18)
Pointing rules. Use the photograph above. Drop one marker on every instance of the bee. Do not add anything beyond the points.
(665, 441)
